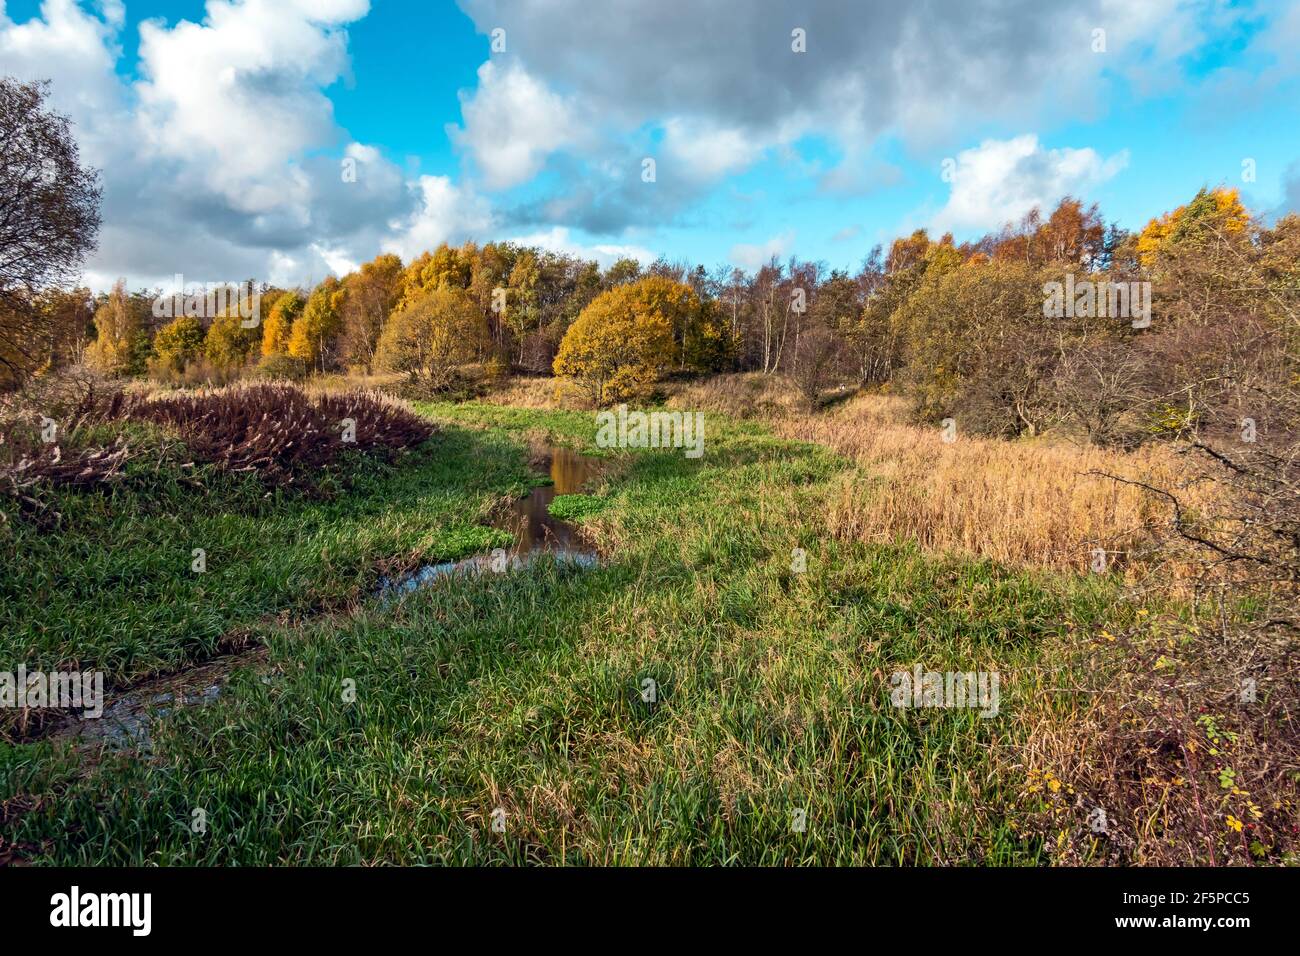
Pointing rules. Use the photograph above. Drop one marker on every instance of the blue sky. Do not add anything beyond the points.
(222, 127)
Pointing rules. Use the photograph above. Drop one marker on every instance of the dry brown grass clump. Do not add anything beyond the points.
(1029, 504)
(279, 431)
(68, 431)
(743, 395)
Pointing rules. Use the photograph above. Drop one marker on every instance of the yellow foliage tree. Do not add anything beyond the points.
(229, 342)
(1211, 209)
(177, 343)
(279, 323)
(121, 343)
(621, 342)
(430, 336)
(313, 334)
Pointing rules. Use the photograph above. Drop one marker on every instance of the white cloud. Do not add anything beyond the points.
(706, 152)
(446, 214)
(558, 239)
(1001, 180)
(220, 161)
(234, 101)
(512, 122)
(338, 260)
(73, 49)
(751, 257)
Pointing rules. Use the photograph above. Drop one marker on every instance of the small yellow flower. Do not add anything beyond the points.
(1054, 784)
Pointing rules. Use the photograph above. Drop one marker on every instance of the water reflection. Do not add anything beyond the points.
(529, 519)
(535, 530)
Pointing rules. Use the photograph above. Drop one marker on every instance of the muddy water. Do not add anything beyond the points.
(127, 720)
(535, 530)
(129, 713)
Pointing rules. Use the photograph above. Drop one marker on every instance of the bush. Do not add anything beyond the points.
(279, 367)
(280, 432)
(274, 430)
(177, 343)
(430, 336)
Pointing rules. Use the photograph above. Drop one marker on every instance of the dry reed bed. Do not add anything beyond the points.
(1032, 504)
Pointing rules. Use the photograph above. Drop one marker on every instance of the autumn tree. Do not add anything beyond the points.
(282, 309)
(623, 340)
(429, 337)
(1071, 234)
(622, 272)
(229, 343)
(313, 333)
(979, 347)
(121, 345)
(369, 296)
(64, 327)
(1211, 212)
(49, 219)
(176, 345)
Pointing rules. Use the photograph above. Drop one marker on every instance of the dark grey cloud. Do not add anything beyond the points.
(866, 63)
(916, 69)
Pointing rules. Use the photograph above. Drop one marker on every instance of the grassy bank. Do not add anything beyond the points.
(522, 694)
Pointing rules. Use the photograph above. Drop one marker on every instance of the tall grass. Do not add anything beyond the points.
(523, 692)
(1029, 504)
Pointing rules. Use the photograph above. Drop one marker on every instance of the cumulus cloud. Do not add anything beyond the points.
(223, 160)
(1001, 180)
(446, 213)
(911, 68)
(512, 122)
(233, 114)
(723, 89)
(73, 48)
(705, 152)
(559, 239)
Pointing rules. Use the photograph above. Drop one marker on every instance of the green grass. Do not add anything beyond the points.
(524, 691)
(116, 589)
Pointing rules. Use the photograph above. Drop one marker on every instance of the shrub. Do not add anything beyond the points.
(274, 430)
(280, 432)
(280, 367)
(431, 335)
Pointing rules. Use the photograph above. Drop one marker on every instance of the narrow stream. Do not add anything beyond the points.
(126, 722)
(532, 524)
(535, 530)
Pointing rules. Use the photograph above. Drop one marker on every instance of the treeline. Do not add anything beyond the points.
(1208, 296)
